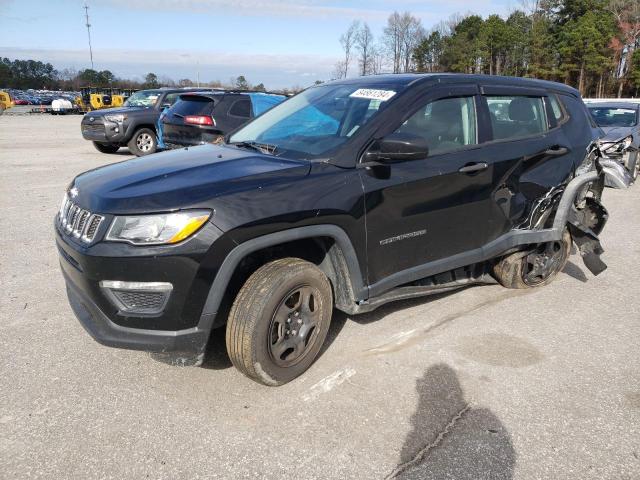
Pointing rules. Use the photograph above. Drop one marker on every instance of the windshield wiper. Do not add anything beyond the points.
(257, 146)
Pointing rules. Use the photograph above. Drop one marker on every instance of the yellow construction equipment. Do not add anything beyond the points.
(96, 98)
(5, 102)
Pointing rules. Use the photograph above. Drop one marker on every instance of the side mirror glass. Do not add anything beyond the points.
(397, 147)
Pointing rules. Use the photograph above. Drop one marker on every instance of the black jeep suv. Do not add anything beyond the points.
(349, 195)
(133, 125)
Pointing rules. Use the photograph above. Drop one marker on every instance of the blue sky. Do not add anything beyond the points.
(278, 42)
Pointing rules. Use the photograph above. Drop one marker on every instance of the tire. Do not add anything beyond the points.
(518, 270)
(106, 147)
(1, 109)
(279, 321)
(634, 165)
(143, 142)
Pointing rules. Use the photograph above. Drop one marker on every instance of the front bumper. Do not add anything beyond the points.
(184, 347)
(176, 331)
(99, 130)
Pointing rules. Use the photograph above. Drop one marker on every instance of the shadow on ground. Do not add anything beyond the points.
(450, 438)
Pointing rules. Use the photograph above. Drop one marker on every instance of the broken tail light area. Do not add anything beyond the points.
(203, 120)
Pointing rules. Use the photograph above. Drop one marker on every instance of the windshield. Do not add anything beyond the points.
(614, 116)
(315, 121)
(144, 98)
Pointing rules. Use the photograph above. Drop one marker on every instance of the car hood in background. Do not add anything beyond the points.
(180, 179)
(613, 134)
(111, 111)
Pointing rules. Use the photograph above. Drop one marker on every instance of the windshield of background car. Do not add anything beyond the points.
(145, 98)
(317, 120)
(614, 116)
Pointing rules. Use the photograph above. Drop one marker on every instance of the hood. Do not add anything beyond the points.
(613, 134)
(111, 111)
(178, 179)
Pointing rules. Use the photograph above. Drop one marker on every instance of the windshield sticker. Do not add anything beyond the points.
(372, 94)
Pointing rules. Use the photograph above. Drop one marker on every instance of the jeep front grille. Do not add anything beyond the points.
(78, 222)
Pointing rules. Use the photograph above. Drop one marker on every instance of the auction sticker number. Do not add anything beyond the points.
(372, 94)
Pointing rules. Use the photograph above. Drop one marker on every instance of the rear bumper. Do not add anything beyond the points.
(182, 347)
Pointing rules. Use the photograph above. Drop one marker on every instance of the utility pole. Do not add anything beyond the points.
(86, 15)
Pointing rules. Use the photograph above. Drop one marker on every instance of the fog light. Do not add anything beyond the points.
(141, 298)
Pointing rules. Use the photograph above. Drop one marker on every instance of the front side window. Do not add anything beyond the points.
(614, 116)
(516, 116)
(447, 125)
(317, 120)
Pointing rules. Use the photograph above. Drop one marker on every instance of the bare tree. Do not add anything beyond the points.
(347, 41)
(402, 34)
(414, 33)
(393, 33)
(364, 44)
(377, 59)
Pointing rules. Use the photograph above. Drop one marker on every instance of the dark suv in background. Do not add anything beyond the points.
(349, 195)
(133, 125)
(205, 117)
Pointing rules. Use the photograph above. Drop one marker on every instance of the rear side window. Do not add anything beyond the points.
(556, 108)
(193, 106)
(447, 125)
(241, 108)
(516, 116)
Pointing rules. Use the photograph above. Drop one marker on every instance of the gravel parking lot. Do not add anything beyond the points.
(484, 383)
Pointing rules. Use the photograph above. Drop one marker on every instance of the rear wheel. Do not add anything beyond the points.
(535, 267)
(143, 142)
(106, 147)
(279, 321)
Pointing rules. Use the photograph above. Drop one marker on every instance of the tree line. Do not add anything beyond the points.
(37, 75)
(593, 45)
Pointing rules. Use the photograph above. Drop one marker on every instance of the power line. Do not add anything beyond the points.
(86, 15)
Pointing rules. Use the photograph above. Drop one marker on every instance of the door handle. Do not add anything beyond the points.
(474, 167)
(556, 151)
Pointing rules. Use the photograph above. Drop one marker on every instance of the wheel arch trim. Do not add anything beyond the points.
(221, 281)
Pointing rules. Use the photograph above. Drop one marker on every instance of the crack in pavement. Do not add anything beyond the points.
(426, 449)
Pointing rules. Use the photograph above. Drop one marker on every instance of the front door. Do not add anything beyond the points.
(425, 211)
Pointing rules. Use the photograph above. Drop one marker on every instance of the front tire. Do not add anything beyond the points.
(143, 142)
(106, 147)
(535, 267)
(279, 321)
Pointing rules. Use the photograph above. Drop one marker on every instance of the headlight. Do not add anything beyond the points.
(620, 146)
(117, 118)
(157, 229)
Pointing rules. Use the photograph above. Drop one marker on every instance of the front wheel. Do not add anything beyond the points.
(535, 267)
(143, 142)
(634, 165)
(279, 321)
(106, 147)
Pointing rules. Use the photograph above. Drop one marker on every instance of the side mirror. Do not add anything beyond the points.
(165, 105)
(397, 147)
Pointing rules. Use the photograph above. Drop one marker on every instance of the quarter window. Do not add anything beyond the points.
(516, 116)
(447, 125)
(555, 107)
(241, 108)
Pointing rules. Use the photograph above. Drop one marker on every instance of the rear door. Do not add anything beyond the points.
(529, 149)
